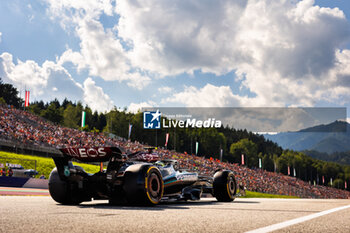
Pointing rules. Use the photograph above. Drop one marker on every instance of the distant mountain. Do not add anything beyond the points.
(316, 138)
(338, 157)
(336, 126)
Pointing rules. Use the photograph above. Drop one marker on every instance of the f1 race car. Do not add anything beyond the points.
(140, 178)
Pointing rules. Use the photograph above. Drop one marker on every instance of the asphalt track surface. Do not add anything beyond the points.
(42, 214)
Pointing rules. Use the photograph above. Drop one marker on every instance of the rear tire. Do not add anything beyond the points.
(61, 191)
(143, 184)
(224, 186)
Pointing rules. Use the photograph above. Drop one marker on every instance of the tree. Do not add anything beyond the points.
(71, 117)
(56, 103)
(10, 94)
(94, 120)
(34, 108)
(117, 123)
(2, 101)
(338, 183)
(102, 122)
(248, 148)
(65, 103)
(267, 163)
(53, 113)
(331, 170)
(41, 105)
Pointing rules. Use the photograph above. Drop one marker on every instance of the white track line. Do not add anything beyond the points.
(288, 223)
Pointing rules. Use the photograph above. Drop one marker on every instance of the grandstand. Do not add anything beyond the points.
(24, 128)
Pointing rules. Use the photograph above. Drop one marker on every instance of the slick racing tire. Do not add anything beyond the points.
(224, 186)
(143, 185)
(61, 191)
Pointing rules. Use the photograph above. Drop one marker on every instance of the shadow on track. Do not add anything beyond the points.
(160, 207)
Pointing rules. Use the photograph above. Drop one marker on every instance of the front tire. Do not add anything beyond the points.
(224, 186)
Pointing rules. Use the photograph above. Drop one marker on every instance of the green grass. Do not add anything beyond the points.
(43, 165)
(250, 194)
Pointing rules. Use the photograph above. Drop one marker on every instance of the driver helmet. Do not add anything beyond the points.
(160, 164)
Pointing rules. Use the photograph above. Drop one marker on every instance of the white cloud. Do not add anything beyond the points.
(91, 7)
(165, 90)
(136, 107)
(172, 37)
(138, 81)
(28, 73)
(95, 98)
(0, 36)
(74, 57)
(38, 79)
(208, 96)
(284, 52)
(101, 51)
(51, 81)
(292, 54)
(70, 12)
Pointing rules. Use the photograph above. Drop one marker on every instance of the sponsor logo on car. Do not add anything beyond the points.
(86, 152)
(187, 176)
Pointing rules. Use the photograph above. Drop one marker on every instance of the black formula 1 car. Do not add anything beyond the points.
(141, 178)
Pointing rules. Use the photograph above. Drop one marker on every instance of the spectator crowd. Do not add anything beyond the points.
(26, 128)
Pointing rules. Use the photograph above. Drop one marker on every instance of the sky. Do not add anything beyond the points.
(175, 53)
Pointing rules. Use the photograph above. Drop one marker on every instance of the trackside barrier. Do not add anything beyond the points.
(12, 181)
(36, 183)
(22, 182)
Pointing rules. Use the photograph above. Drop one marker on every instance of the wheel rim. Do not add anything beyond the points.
(231, 185)
(154, 186)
